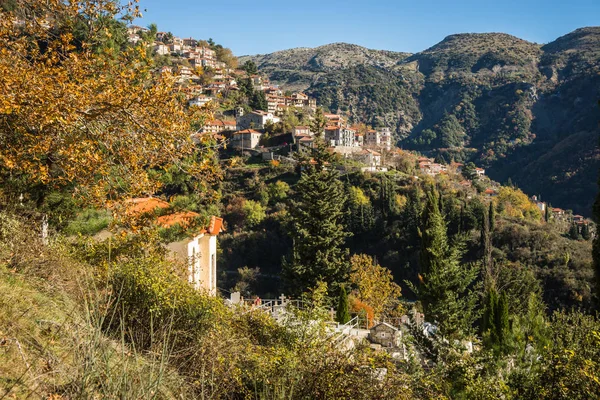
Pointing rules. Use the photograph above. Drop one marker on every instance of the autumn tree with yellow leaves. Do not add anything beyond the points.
(76, 115)
(374, 285)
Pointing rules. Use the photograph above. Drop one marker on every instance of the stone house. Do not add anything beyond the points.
(256, 120)
(245, 139)
(302, 130)
(385, 335)
(370, 157)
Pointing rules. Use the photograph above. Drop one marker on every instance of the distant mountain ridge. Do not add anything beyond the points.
(523, 110)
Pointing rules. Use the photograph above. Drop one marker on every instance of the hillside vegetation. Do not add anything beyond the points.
(515, 107)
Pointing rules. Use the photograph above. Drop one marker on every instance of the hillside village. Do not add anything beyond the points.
(248, 132)
(175, 224)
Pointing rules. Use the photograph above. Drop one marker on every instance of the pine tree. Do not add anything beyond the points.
(317, 231)
(446, 288)
(342, 314)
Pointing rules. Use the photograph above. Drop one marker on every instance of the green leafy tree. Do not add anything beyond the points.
(446, 287)
(342, 313)
(254, 212)
(278, 191)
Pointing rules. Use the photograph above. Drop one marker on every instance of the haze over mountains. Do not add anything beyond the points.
(522, 110)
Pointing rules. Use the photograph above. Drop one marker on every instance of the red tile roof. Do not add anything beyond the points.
(182, 218)
(145, 204)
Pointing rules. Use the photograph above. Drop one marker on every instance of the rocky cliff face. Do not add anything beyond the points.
(522, 110)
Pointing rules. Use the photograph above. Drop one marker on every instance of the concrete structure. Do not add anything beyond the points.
(200, 251)
(202, 258)
(385, 138)
(338, 136)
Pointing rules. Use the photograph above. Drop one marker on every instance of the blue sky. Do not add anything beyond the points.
(266, 26)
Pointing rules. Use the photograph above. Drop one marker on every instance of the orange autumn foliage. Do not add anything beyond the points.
(357, 306)
(74, 116)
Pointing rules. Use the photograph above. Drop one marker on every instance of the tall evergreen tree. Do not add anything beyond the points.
(387, 197)
(317, 228)
(492, 216)
(486, 246)
(596, 244)
(488, 324)
(411, 216)
(585, 232)
(342, 314)
(502, 325)
(446, 287)
(574, 232)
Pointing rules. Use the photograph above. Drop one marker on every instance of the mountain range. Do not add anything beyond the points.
(522, 110)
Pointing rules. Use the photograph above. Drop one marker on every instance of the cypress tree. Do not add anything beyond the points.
(489, 315)
(501, 325)
(342, 314)
(461, 223)
(486, 246)
(596, 244)
(411, 215)
(387, 197)
(574, 232)
(492, 216)
(445, 288)
(585, 232)
(547, 212)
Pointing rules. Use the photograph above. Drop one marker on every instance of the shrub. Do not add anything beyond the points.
(88, 222)
(254, 212)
